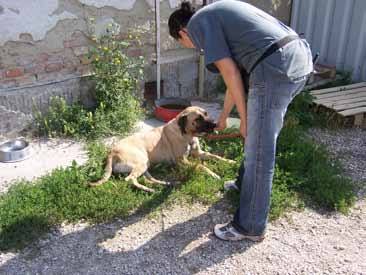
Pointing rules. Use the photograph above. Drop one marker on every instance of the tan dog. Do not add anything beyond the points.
(172, 142)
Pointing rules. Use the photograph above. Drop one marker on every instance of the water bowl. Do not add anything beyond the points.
(168, 108)
(14, 150)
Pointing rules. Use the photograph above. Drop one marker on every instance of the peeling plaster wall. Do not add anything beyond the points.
(127, 4)
(122, 5)
(44, 46)
(29, 17)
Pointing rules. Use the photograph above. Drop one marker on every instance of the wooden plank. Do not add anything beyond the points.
(358, 120)
(348, 106)
(341, 99)
(347, 92)
(355, 111)
(339, 88)
(329, 102)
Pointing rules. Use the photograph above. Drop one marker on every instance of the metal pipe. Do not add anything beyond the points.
(295, 6)
(43, 83)
(310, 22)
(201, 75)
(158, 61)
(201, 68)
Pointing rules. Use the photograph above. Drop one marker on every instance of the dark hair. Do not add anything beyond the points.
(180, 18)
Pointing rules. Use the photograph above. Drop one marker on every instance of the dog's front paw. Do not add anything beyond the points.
(216, 176)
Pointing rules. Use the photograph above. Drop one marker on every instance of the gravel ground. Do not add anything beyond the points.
(348, 146)
(178, 239)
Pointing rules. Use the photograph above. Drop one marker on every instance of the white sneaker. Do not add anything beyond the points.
(227, 232)
(230, 185)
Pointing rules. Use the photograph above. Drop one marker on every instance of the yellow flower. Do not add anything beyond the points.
(110, 25)
(105, 48)
(118, 61)
(130, 36)
(96, 59)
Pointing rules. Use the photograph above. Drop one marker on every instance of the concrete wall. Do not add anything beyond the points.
(44, 45)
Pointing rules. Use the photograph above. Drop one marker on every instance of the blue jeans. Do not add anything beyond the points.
(270, 94)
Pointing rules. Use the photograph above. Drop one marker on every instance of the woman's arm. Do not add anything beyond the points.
(235, 87)
(228, 106)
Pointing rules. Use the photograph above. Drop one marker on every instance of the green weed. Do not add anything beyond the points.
(118, 107)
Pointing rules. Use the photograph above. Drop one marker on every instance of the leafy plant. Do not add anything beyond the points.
(117, 77)
(65, 120)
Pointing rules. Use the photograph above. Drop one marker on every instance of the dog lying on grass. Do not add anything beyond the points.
(171, 143)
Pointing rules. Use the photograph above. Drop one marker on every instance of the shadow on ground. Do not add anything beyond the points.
(119, 248)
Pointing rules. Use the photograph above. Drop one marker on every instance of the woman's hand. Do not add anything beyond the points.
(221, 124)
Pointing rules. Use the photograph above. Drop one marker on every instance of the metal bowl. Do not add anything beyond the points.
(14, 150)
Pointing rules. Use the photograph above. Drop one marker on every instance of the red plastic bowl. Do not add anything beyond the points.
(168, 108)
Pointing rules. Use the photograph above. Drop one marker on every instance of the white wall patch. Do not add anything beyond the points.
(32, 17)
(118, 4)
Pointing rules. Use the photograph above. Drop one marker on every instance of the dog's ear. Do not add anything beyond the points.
(182, 122)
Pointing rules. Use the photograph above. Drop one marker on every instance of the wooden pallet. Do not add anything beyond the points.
(347, 100)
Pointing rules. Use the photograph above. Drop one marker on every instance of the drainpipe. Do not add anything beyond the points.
(158, 59)
(201, 68)
(201, 74)
(294, 14)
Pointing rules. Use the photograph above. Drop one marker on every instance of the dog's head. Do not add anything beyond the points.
(195, 120)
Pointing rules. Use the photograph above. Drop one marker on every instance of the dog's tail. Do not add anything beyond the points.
(107, 173)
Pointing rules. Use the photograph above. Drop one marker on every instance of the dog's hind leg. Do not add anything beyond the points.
(135, 173)
(151, 179)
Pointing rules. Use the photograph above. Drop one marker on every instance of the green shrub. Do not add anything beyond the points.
(117, 77)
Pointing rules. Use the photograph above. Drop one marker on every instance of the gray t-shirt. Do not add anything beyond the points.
(236, 29)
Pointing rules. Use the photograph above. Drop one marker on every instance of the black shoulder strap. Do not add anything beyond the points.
(274, 47)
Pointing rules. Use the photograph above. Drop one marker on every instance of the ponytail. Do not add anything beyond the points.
(180, 18)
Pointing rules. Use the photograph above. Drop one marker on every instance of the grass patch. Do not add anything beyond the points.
(319, 179)
(28, 210)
